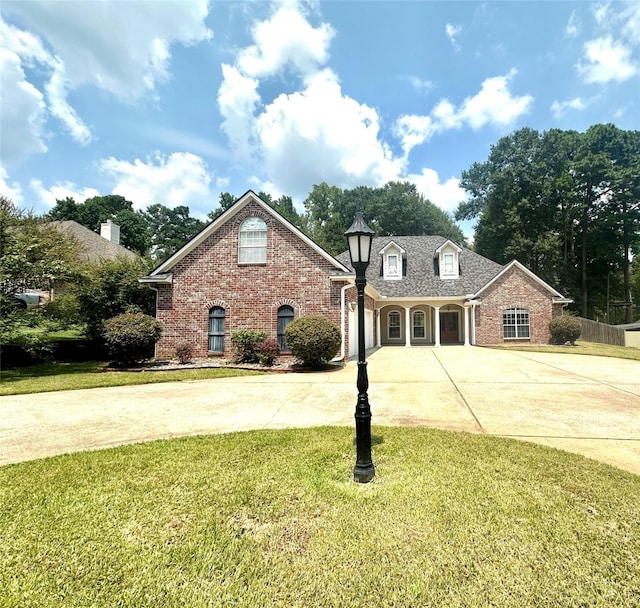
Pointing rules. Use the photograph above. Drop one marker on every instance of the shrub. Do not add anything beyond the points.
(565, 329)
(314, 340)
(130, 337)
(268, 351)
(245, 345)
(65, 309)
(184, 352)
(109, 288)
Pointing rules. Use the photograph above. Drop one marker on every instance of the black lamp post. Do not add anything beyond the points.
(360, 237)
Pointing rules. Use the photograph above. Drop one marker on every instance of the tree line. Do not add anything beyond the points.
(396, 208)
(567, 205)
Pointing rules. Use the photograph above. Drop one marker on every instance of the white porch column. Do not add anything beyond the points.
(437, 326)
(466, 310)
(473, 324)
(407, 327)
(378, 343)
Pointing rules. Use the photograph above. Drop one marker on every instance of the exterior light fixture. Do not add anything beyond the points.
(360, 237)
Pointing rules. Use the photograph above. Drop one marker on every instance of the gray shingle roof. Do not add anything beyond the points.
(94, 247)
(421, 280)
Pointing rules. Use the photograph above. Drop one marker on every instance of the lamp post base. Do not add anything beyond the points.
(364, 473)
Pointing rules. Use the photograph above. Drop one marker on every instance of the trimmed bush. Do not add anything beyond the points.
(245, 345)
(184, 352)
(268, 351)
(565, 329)
(314, 340)
(130, 337)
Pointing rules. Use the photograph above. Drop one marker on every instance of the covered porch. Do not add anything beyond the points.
(426, 323)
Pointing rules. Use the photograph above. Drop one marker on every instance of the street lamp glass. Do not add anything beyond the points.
(360, 237)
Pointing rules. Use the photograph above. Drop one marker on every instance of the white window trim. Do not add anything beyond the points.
(399, 337)
(389, 274)
(454, 267)
(517, 325)
(246, 251)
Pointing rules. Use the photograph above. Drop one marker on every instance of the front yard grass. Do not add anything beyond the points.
(581, 348)
(92, 374)
(271, 518)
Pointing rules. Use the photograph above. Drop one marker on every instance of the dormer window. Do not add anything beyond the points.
(392, 265)
(392, 261)
(448, 260)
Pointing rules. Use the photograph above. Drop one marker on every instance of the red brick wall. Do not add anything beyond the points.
(294, 274)
(514, 289)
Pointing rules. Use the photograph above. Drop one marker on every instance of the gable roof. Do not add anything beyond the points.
(535, 277)
(94, 247)
(248, 197)
(389, 245)
(448, 242)
(421, 280)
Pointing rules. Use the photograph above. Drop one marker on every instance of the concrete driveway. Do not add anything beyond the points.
(588, 405)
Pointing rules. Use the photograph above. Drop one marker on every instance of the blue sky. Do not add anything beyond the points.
(173, 102)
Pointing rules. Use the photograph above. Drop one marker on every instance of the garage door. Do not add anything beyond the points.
(369, 341)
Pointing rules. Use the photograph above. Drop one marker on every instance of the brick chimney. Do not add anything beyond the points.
(110, 231)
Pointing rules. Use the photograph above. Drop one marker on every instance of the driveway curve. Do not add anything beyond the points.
(583, 404)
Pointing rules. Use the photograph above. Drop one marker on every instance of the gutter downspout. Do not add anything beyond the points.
(155, 313)
(343, 322)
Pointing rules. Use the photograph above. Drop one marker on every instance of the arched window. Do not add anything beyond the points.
(252, 244)
(216, 329)
(394, 324)
(285, 316)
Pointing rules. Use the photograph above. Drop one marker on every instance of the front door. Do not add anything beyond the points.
(449, 327)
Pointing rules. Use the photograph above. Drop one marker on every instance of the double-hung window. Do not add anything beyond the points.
(515, 323)
(252, 246)
(394, 324)
(418, 324)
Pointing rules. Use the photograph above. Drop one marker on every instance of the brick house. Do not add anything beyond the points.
(252, 269)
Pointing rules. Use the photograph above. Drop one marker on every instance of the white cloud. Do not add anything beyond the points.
(286, 39)
(12, 191)
(446, 195)
(493, 105)
(607, 60)
(452, 33)
(413, 130)
(558, 108)
(178, 179)
(573, 26)
(319, 134)
(60, 191)
(22, 112)
(601, 12)
(420, 85)
(238, 100)
(124, 52)
(56, 90)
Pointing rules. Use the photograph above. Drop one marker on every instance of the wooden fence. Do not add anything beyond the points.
(593, 331)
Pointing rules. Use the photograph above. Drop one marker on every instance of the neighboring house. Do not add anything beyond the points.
(96, 247)
(252, 269)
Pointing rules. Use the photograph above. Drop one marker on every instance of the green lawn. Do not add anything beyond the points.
(271, 518)
(582, 348)
(71, 376)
